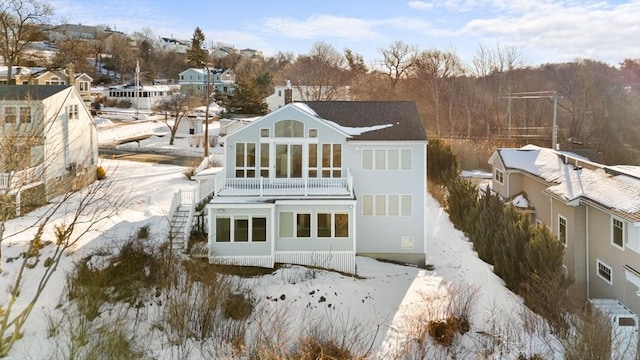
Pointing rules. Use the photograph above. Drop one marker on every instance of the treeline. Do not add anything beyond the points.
(495, 95)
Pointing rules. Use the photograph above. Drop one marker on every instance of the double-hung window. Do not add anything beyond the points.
(604, 271)
(499, 176)
(10, 115)
(562, 230)
(617, 232)
(72, 112)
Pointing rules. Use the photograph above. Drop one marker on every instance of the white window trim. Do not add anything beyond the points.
(566, 230)
(497, 171)
(598, 263)
(232, 218)
(624, 232)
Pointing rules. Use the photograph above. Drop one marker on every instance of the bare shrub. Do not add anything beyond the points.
(128, 276)
(443, 331)
(189, 173)
(237, 307)
(316, 347)
(112, 336)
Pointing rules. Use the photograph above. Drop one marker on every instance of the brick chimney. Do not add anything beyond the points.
(288, 93)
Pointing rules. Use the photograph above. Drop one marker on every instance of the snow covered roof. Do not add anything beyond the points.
(370, 120)
(574, 178)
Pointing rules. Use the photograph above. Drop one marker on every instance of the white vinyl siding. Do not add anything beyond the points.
(633, 238)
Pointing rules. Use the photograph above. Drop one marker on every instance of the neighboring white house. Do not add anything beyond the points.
(174, 45)
(195, 81)
(144, 98)
(316, 183)
(283, 95)
(53, 129)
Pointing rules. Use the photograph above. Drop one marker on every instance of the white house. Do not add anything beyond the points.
(54, 132)
(144, 98)
(316, 183)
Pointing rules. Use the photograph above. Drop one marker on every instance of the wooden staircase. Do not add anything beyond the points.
(180, 228)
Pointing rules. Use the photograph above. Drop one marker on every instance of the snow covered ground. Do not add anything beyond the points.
(386, 300)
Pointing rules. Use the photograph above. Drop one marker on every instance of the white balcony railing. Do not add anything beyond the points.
(287, 187)
(18, 179)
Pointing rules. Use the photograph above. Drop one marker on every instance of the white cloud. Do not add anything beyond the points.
(564, 30)
(321, 26)
(420, 5)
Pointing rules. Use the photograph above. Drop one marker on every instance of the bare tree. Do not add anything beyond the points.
(178, 107)
(437, 68)
(21, 23)
(122, 58)
(398, 60)
(320, 75)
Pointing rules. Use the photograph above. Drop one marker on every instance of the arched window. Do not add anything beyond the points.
(289, 128)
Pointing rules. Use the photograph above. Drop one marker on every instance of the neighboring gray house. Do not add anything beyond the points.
(316, 183)
(593, 209)
(194, 81)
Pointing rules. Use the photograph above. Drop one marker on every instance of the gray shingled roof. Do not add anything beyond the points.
(34, 92)
(402, 116)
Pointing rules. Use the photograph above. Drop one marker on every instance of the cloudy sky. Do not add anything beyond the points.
(542, 30)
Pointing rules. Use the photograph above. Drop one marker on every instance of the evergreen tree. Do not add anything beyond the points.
(461, 202)
(196, 55)
(442, 162)
(246, 98)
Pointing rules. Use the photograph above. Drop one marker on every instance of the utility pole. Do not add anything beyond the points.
(206, 115)
(538, 95)
(137, 83)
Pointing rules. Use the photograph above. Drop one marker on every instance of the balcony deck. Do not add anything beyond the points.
(341, 187)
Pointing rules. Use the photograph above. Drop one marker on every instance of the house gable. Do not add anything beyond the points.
(293, 112)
